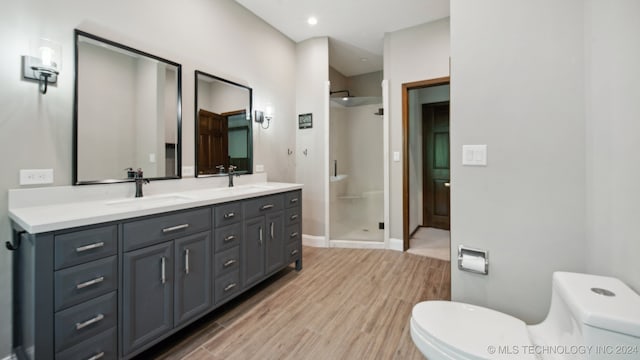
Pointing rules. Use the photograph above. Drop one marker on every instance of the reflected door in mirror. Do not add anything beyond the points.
(213, 142)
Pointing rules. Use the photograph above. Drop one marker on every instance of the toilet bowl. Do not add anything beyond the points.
(590, 317)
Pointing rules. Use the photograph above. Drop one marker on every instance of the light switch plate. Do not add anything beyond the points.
(36, 176)
(396, 156)
(474, 155)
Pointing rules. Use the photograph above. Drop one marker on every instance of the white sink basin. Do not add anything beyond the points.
(158, 200)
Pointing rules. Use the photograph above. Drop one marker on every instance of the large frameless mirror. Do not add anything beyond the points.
(127, 113)
(223, 126)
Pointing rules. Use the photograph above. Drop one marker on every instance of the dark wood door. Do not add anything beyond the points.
(436, 201)
(213, 142)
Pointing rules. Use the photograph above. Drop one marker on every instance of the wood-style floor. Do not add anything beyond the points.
(344, 304)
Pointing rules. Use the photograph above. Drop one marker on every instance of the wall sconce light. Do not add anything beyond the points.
(43, 63)
(261, 116)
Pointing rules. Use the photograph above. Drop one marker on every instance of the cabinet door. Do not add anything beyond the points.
(147, 295)
(274, 243)
(253, 251)
(192, 290)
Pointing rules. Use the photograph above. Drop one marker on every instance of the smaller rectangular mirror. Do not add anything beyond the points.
(224, 134)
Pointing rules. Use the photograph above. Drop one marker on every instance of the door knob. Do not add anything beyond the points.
(447, 184)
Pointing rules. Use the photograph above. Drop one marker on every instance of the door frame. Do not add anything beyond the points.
(405, 148)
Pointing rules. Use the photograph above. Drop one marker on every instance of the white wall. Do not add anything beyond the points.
(418, 97)
(312, 75)
(613, 134)
(517, 85)
(36, 130)
(413, 54)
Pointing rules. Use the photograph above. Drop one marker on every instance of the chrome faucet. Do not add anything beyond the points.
(139, 180)
(232, 172)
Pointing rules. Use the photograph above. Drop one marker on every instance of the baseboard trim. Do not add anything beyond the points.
(396, 244)
(354, 244)
(415, 231)
(314, 241)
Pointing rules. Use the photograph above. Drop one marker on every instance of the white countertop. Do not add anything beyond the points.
(45, 217)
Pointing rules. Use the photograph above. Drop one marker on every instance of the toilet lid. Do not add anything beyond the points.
(468, 331)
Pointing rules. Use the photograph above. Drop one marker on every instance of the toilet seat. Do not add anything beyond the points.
(453, 330)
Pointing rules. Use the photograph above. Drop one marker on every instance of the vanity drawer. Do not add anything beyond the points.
(141, 233)
(262, 205)
(293, 198)
(102, 346)
(292, 233)
(227, 214)
(86, 320)
(294, 252)
(227, 237)
(82, 282)
(292, 215)
(86, 245)
(227, 261)
(226, 287)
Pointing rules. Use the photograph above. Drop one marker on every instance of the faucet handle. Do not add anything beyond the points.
(139, 174)
(220, 168)
(232, 168)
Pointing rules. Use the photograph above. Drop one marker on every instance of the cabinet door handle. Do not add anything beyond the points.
(293, 234)
(175, 228)
(229, 287)
(163, 265)
(229, 215)
(93, 320)
(90, 246)
(294, 200)
(293, 217)
(229, 262)
(229, 238)
(294, 252)
(90, 282)
(97, 356)
(266, 207)
(186, 261)
(260, 238)
(272, 236)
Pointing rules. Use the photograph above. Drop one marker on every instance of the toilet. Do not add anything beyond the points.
(590, 317)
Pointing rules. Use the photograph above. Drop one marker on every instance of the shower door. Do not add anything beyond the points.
(356, 170)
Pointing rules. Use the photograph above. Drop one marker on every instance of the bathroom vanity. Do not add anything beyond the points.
(107, 279)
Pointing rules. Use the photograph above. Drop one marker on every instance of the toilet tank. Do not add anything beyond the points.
(590, 317)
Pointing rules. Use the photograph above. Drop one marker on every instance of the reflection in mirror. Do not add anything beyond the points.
(127, 113)
(223, 125)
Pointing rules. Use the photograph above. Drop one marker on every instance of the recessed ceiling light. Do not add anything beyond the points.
(312, 20)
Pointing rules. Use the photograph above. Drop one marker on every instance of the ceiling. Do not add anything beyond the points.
(355, 28)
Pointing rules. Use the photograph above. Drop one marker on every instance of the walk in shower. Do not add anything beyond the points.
(356, 168)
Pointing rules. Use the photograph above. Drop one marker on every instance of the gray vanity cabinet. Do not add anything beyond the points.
(253, 252)
(193, 274)
(147, 295)
(274, 254)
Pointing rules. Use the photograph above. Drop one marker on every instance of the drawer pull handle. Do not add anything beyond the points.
(229, 287)
(163, 277)
(293, 234)
(175, 228)
(90, 282)
(266, 207)
(293, 217)
(186, 261)
(229, 263)
(229, 238)
(93, 320)
(90, 247)
(294, 252)
(97, 356)
(272, 235)
(229, 215)
(294, 200)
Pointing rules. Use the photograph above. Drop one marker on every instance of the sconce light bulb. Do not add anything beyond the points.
(312, 21)
(46, 55)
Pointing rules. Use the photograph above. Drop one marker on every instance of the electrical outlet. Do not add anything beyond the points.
(188, 171)
(36, 176)
(259, 168)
